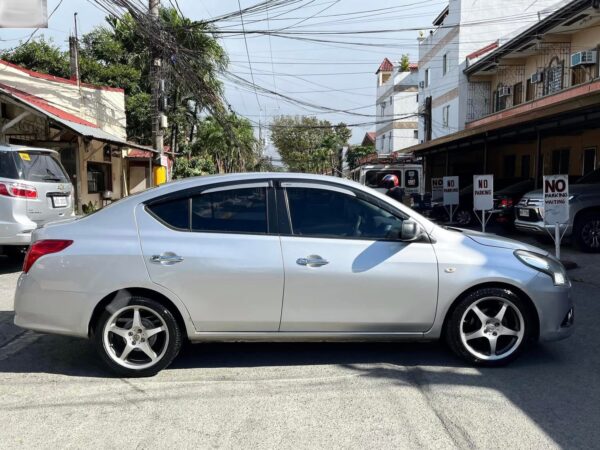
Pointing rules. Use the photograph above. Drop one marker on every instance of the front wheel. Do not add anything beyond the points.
(463, 217)
(489, 327)
(137, 337)
(587, 232)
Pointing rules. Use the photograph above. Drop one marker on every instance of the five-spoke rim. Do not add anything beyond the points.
(136, 337)
(463, 217)
(492, 328)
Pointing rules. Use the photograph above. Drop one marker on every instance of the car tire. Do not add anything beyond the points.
(587, 232)
(486, 316)
(463, 217)
(137, 336)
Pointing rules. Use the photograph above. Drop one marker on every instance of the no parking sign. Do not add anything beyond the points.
(556, 199)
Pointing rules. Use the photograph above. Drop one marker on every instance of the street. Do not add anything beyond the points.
(55, 393)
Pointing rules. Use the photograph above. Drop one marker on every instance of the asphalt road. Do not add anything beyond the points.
(54, 393)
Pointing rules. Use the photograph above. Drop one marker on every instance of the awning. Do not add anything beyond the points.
(76, 124)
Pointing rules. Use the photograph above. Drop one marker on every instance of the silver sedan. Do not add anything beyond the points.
(283, 257)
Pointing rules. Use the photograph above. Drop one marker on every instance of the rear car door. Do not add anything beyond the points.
(216, 250)
(345, 271)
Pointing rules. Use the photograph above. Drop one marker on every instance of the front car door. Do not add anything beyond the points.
(215, 250)
(346, 270)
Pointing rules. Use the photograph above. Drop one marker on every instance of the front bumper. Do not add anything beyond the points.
(540, 227)
(554, 306)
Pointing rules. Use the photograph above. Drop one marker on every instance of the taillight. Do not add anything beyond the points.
(41, 248)
(506, 202)
(17, 190)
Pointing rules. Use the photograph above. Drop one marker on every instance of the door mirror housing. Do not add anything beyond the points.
(411, 231)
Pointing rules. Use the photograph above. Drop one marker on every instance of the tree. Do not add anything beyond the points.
(307, 144)
(39, 55)
(356, 154)
(405, 63)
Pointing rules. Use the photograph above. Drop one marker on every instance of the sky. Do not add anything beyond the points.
(337, 75)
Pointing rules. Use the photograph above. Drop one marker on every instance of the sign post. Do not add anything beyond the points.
(437, 189)
(483, 197)
(556, 206)
(450, 195)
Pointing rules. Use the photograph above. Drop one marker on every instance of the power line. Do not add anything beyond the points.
(248, 53)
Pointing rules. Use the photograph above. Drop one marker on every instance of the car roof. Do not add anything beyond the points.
(21, 148)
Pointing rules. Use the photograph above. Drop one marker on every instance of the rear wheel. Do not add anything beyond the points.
(137, 337)
(587, 232)
(489, 327)
(463, 217)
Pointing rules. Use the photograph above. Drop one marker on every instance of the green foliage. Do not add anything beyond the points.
(405, 63)
(193, 166)
(355, 154)
(40, 55)
(307, 144)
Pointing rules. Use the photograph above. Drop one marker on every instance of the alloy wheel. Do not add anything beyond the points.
(492, 328)
(590, 234)
(135, 337)
(463, 217)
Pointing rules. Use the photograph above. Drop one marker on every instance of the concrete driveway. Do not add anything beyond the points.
(55, 393)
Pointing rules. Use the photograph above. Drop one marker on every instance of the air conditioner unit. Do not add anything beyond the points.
(536, 78)
(584, 58)
(421, 84)
(504, 91)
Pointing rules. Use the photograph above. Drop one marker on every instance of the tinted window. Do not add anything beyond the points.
(7, 166)
(590, 178)
(39, 166)
(373, 177)
(323, 213)
(231, 211)
(174, 213)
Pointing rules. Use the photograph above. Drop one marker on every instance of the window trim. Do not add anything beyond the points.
(399, 214)
(272, 225)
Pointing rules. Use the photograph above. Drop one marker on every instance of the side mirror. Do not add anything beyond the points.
(411, 231)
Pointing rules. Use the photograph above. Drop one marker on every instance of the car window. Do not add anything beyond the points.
(325, 213)
(174, 213)
(590, 178)
(39, 166)
(242, 210)
(7, 166)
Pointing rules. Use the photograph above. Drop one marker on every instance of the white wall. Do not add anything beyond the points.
(399, 94)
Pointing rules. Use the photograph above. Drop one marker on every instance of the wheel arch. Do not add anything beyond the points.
(502, 285)
(140, 292)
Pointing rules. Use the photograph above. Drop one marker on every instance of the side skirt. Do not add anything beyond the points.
(285, 336)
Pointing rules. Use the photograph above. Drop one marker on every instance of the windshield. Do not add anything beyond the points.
(590, 178)
(44, 167)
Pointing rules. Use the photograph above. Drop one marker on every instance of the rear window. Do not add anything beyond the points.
(39, 167)
(373, 177)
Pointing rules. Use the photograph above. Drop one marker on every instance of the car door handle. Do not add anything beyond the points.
(166, 259)
(312, 261)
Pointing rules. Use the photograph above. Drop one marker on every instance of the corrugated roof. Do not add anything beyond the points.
(385, 66)
(76, 124)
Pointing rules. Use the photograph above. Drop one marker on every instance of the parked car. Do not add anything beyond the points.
(205, 259)
(584, 213)
(34, 190)
(507, 198)
(463, 213)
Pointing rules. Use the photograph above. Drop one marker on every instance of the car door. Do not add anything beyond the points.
(344, 269)
(214, 249)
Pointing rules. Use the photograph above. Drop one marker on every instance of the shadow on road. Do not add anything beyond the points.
(10, 264)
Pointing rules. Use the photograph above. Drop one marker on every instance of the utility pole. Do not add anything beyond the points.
(74, 54)
(158, 118)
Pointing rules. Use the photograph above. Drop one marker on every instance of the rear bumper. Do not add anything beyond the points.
(16, 233)
(51, 311)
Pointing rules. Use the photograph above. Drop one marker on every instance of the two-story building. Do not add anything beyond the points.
(532, 103)
(397, 108)
(85, 123)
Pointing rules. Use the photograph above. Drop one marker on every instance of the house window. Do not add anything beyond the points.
(529, 91)
(560, 162)
(416, 134)
(554, 77)
(589, 160)
(517, 94)
(445, 116)
(99, 177)
(383, 109)
(525, 166)
(445, 64)
(427, 77)
(510, 166)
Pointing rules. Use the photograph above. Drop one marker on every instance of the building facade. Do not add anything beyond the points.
(532, 103)
(86, 124)
(397, 108)
(460, 31)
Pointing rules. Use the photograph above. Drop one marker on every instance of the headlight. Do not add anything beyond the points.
(546, 264)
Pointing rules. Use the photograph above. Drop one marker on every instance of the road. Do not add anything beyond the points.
(54, 393)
